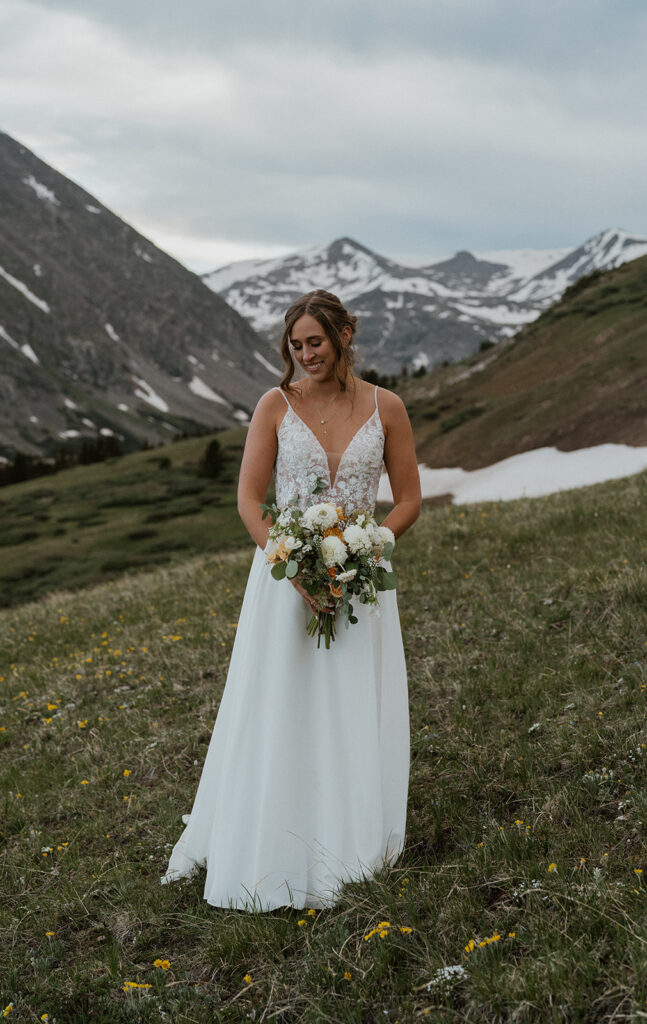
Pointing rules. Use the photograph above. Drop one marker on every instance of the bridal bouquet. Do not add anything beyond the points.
(334, 556)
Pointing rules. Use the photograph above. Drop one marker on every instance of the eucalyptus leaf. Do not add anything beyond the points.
(278, 571)
(291, 569)
(389, 581)
(320, 486)
(388, 549)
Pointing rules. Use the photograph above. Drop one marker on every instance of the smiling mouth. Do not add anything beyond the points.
(313, 366)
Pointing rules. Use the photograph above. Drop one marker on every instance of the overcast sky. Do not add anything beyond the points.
(224, 129)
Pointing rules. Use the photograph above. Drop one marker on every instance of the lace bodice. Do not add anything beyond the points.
(301, 459)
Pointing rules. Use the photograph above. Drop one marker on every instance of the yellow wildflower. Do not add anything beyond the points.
(552, 867)
(247, 979)
(164, 964)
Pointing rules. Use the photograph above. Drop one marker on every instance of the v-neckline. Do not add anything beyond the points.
(323, 450)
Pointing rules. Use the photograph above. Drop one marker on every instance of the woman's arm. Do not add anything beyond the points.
(401, 463)
(257, 464)
(255, 473)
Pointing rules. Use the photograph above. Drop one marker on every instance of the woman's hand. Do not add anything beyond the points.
(312, 602)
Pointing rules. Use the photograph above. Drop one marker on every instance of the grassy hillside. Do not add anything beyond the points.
(525, 627)
(94, 522)
(575, 377)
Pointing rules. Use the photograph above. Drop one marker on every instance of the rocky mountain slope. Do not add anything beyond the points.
(574, 378)
(420, 316)
(100, 331)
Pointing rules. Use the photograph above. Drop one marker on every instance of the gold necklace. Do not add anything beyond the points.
(323, 420)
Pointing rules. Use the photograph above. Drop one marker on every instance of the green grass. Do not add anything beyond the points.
(525, 627)
(92, 523)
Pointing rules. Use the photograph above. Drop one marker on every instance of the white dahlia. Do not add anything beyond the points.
(333, 551)
(319, 517)
(359, 540)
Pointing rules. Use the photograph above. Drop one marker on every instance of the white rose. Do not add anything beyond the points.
(292, 543)
(358, 540)
(320, 517)
(333, 551)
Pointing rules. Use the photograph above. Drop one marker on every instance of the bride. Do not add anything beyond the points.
(304, 785)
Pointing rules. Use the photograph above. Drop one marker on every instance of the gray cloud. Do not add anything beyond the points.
(418, 128)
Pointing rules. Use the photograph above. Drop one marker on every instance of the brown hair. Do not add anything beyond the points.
(327, 309)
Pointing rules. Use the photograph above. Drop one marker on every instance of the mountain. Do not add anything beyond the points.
(101, 331)
(574, 378)
(419, 316)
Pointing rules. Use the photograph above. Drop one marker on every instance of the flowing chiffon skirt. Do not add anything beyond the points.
(305, 781)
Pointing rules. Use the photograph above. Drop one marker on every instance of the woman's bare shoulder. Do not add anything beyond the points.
(390, 404)
(270, 402)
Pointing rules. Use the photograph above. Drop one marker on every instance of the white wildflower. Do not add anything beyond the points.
(319, 517)
(292, 543)
(447, 976)
(333, 551)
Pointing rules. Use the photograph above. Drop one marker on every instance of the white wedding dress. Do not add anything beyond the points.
(305, 781)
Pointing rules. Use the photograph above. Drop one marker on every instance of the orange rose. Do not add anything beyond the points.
(332, 572)
(335, 590)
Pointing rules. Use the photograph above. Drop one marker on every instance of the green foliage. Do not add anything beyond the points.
(94, 521)
(462, 416)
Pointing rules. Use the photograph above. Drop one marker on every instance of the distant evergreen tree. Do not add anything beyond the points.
(213, 459)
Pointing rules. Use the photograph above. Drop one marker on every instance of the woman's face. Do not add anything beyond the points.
(312, 348)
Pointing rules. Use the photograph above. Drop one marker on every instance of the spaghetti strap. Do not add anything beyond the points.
(376, 397)
(286, 397)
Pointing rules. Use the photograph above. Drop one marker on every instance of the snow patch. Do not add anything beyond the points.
(422, 359)
(37, 271)
(107, 432)
(241, 416)
(529, 474)
(92, 209)
(28, 351)
(42, 191)
(123, 407)
(87, 422)
(7, 337)
(268, 366)
(68, 433)
(69, 404)
(143, 255)
(145, 391)
(10, 279)
(202, 390)
(111, 332)
(33, 419)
